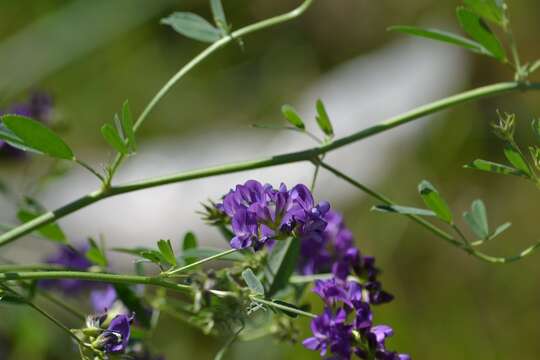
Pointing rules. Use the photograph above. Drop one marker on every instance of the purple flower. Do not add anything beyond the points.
(376, 337)
(103, 299)
(259, 213)
(37, 107)
(333, 291)
(116, 337)
(73, 259)
(331, 333)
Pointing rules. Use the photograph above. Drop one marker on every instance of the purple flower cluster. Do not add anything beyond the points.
(260, 214)
(114, 332)
(333, 250)
(37, 107)
(346, 325)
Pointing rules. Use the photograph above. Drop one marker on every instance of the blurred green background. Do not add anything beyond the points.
(448, 305)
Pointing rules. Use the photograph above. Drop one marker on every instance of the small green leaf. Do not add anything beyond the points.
(403, 210)
(477, 219)
(127, 127)
(536, 128)
(110, 134)
(292, 116)
(515, 158)
(500, 229)
(281, 264)
(489, 166)
(50, 231)
(442, 36)
(491, 10)
(534, 66)
(165, 247)
(253, 282)
(479, 31)
(154, 256)
(190, 242)
(323, 120)
(192, 26)
(219, 16)
(34, 135)
(96, 254)
(434, 201)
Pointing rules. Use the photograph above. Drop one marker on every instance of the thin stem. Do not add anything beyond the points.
(58, 302)
(45, 314)
(466, 241)
(90, 169)
(440, 233)
(199, 59)
(29, 267)
(282, 307)
(305, 155)
(197, 263)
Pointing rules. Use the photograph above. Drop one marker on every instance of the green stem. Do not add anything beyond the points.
(282, 307)
(435, 230)
(90, 169)
(29, 267)
(199, 59)
(197, 263)
(58, 302)
(305, 155)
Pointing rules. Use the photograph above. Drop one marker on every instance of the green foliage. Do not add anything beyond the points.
(192, 26)
(134, 303)
(492, 10)
(50, 231)
(435, 201)
(489, 166)
(127, 127)
(281, 264)
(96, 253)
(292, 116)
(28, 134)
(219, 16)
(111, 135)
(323, 120)
(473, 25)
(253, 282)
(477, 219)
(189, 243)
(167, 252)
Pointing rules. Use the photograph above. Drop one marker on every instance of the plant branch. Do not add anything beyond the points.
(197, 263)
(282, 307)
(305, 155)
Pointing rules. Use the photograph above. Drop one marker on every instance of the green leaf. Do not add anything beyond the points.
(404, 210)
(292, 116)
(253, 282)
(491, 10)
(434, 201)
(50, 231)
(281, 264)
(442, 36)
(110, 134)
(165, 247)
(127, 127)
(12, 139)
(500, 229)
(323, 120)
(134, 304)
(96, 254)
(477, 219)
(515, 158)
(219, 16)
(489, 166)
(35, 136)
(479, 31)
(534, 66)
(536, 128)
(190, 242)
(192, 26)
(154, 256)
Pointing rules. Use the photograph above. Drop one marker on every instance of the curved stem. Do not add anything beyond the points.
(199, 59)
(30, 267)
(197, 263)
(305, 155)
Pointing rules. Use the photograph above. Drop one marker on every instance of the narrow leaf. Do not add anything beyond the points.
(192, 26)
(34, 135)
(515, 158)
(500, 229)
(110, 134)
(534, 66)
(404, 210)
(442, 36)
(484, 165)
(219, 15)
(50, 231)
(477, 219)
(127, 127)
(536, 128)
(473, 25)
(165, 247)
(323, 120)
(281, 264)
(292, 116)
(253, 283)
(491, 10)
(434, 201)
(96, 254)
(190, 242)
